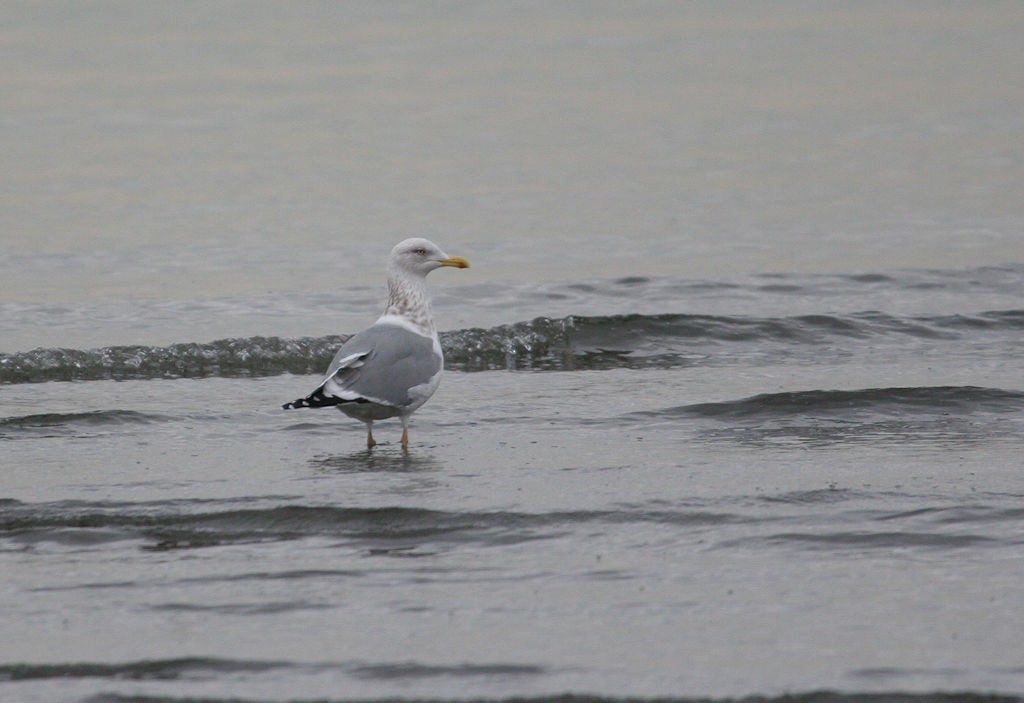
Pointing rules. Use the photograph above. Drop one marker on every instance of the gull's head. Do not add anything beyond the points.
(421, 256)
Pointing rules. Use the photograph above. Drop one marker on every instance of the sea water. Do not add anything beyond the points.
(734, 402)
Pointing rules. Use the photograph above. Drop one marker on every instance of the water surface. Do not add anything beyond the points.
(734, 402)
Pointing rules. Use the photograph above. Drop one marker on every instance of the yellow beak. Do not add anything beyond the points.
(456, 261)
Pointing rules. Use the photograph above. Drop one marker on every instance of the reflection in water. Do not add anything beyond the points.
(398, 460)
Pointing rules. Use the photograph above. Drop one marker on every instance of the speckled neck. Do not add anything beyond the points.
(408, 298)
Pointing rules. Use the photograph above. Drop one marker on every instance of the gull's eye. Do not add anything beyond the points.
(420, 252)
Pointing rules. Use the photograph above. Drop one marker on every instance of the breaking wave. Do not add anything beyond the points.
(568, 343)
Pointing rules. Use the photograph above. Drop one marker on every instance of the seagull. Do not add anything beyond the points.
(394, 366)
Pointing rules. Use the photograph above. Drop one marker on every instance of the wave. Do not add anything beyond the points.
(250, 356)
(862, 541)
(568, 343)
(379, 530)
(408, 532)
(160, 669)
(811, 417)
(186, 668)
(828, 418)
(896, 696)
(929, 400)
(190, 669)
(72, 424)
(201, 668)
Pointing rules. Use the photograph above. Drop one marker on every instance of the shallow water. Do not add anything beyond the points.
(626, 504)
(734, 402)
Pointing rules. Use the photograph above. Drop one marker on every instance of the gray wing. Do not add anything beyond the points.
(380, 365)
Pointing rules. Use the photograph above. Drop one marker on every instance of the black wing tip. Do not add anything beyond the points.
(316, 399)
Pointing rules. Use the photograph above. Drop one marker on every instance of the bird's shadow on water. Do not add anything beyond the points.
(380, 459)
